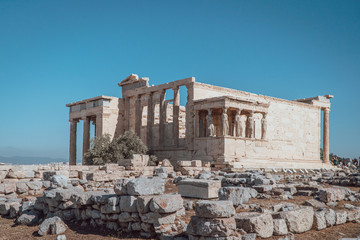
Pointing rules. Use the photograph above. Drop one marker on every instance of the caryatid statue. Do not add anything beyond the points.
(264, 126)
(225, 122)
(238, 123)
(251, 125)
(210, 128)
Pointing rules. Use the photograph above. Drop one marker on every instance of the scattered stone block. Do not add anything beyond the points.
(331, 195)
(341, 217)
(314, 203)
(29, 218)
(280, 227)
(53, 225)
(298, 220)
(211, 227)
(214, 209)
(199, 188)
(167, 203)
(259, 223)
(237, 195)
(145, 186)
(59, 180)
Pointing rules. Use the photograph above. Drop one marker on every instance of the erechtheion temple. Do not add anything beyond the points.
(223, 126)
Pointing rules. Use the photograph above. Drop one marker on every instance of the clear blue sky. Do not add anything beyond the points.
(56, 52)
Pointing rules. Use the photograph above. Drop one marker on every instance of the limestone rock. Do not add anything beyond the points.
(128, 204)
(237, 195)
(331, 194)
(29, 218)
(259, 223)
(298, 220)
(59, 180)
(53, 225)
(120, 186)
(319, 220)
(199, 188)
(143, 203)
(146, 186)
(340, 217)
(214, 209)
(314, 203)
(211, 227)
(280, 227)
(168, 203)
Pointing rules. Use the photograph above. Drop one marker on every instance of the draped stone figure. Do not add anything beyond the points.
(251, 125)
(225, 123)
(264, 126)
(238, 124)
(210, 128)
(242, 126)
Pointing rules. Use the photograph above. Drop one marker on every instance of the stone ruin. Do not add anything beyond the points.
(248, 130)
(187, 201)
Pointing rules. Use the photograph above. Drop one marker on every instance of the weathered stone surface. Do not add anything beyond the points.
(34, 185)
(211, 227)
(331, 194)
(59, 180)
(21, 188)
(314, 203)
(214, 209)
(143, 203)
(157, 218)
(14, 209)
(128, 204)
(341, 217)
(330, 217)
(259, 223)
(146, 186)
(280, 227)
(120, 186)
(168, 203)
(29, 218)
(237, 195)
(353, 214)
(5, 208)
(53, 225)
(319, 220)
(299, 220)
(199, 188)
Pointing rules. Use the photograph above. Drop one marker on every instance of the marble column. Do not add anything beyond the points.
(162, 120)
(264, 126)
(197, 124)
(150, 120)
(127, 114)
(190, 117)
(138, 115)
(86, 137)
(99, 125)
(72, 148)
(176, 115)
(326, 136)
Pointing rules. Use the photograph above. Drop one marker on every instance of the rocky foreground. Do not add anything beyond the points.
(186, 202)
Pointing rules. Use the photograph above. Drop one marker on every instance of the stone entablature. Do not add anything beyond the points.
(216, 124)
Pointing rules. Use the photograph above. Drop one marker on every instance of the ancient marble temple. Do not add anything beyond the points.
(226, 127)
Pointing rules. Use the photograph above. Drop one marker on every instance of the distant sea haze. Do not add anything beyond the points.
(21, 160)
